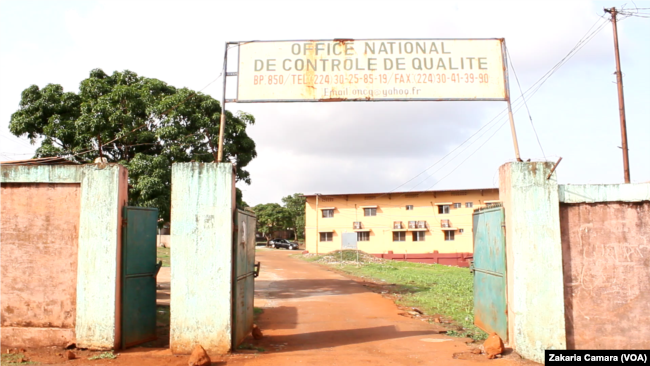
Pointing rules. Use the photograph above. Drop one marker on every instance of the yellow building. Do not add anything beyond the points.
(402, 223)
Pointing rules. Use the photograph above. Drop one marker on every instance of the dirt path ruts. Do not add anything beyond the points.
(313, 316)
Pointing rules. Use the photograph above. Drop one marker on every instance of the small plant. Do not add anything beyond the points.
(104, 355)
(257, 312)
(15, 359)
(250, 347)
(164, 255)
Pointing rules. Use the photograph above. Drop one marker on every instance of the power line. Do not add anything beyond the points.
(524, 99)
(532, 90)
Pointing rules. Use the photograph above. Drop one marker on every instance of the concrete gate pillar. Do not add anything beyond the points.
(203, 203)
(534, 258)
(104, 193)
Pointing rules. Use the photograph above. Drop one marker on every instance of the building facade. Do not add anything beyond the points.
(408, 223)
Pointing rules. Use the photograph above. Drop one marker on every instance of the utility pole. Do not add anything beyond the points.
(621, 102)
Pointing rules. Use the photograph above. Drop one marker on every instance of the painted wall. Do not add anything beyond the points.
(534, 258)
(203, 203)
(39, 232)
(606, 258)
(103, 196)
(391, 208)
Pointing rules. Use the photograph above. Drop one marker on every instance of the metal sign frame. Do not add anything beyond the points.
(360, 99)
(226, 74)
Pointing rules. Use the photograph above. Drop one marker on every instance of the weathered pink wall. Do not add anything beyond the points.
(606, 258)
(39, 234)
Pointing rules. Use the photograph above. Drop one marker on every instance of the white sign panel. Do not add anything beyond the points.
(374, 70)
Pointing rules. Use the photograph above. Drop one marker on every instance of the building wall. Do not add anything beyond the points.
(65, 216)
(390, 208)
(39, 233)
(606, 258)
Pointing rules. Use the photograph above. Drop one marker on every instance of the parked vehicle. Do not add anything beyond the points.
(283, 243)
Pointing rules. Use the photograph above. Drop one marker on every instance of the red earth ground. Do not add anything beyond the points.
(315, 316)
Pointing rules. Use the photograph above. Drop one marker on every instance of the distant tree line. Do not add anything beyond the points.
(272, 217)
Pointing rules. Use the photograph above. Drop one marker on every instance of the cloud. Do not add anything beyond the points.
(359, 147)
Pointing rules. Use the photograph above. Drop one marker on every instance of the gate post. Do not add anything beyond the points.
(535, 284)
(203, 204)
(104, 192)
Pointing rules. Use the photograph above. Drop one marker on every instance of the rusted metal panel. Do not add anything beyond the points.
(606, 260)
(371, 70)
(139, 275)
(489, 270)
(243, 284)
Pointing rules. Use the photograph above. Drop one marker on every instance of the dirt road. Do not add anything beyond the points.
(313, 316)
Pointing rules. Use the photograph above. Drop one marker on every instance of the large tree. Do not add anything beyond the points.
(295, 204)
(143, 123)
(271, 217)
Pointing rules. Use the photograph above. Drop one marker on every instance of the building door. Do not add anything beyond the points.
(489, 268)
(244, 272)
(139, 271)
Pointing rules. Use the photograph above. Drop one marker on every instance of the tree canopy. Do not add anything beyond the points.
(271, 217)
(142, 123)
(295, 204)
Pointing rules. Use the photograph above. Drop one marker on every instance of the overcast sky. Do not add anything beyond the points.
(360, 146)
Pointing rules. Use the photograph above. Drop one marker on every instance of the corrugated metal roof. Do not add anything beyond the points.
(41, 161)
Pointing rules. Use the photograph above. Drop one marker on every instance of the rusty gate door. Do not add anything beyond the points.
(139, 271)
(489, 268)
(243, 275)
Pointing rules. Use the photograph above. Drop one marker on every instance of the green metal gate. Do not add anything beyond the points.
(489, 268)
(139, 271)
(243, 276)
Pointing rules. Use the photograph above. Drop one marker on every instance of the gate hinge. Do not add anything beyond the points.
(124, 222)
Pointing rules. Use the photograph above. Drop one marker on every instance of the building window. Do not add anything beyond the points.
(325, 236)
(363, 236)
(370, 211)
(449, 235)
(409, 207)
(469, 204)
(399, 236)
(418, 235)
(443, 209)
(458, 205)
(328, 213)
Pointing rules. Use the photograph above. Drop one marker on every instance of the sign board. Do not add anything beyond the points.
(371, 70)
(349, 241)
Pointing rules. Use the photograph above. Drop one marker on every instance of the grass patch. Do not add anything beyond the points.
(251, 347)
(104, 355)
(256, 313)
(163, 254)
(15, 359)
(432, 288)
